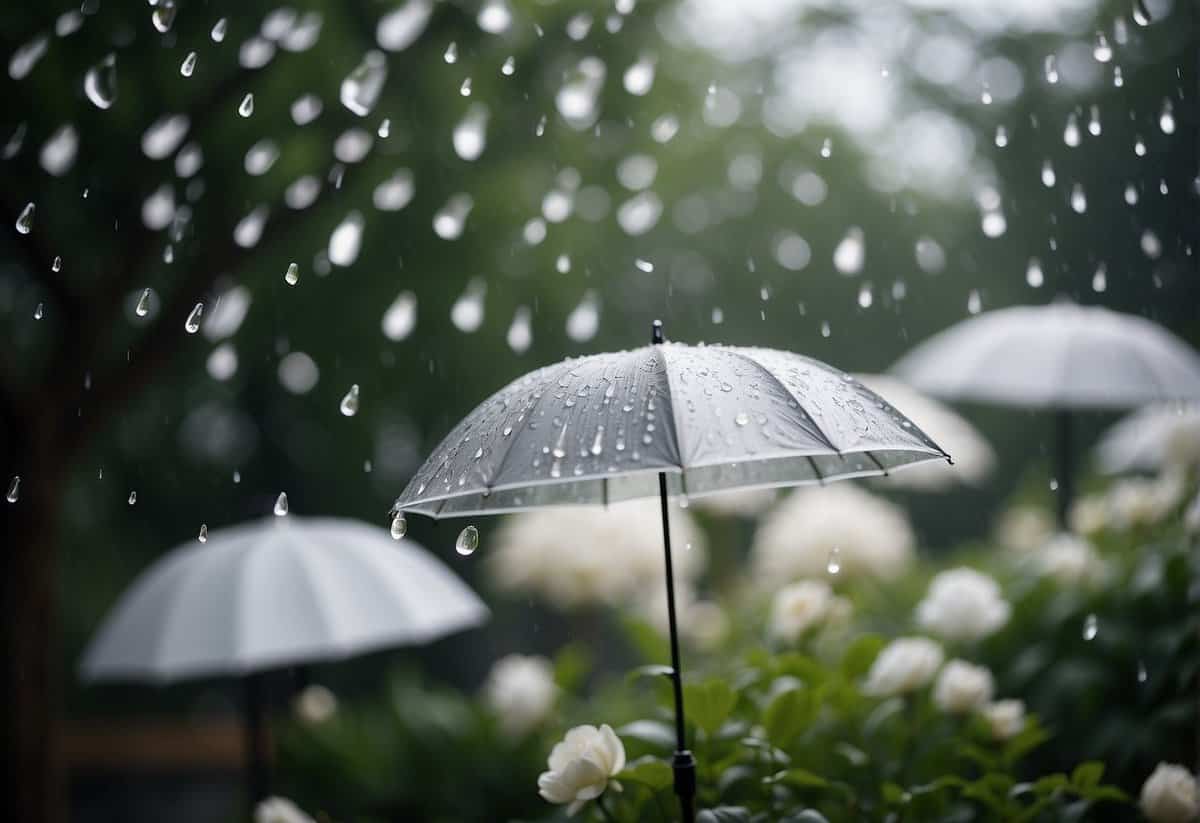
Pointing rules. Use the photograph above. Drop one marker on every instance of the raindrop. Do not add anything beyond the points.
(865, 296)
(1102, 51)
(1048, 176)
(1050, 66)
(451, 53)
(56, 265)
(246, 107)
(467, 542)
(281, 505)
(639, 77)
(508, 66)
(1118, 78)
(385, 129)
(203, 536)
(834, 564)
(14, 489)
(219, 29)
(451, 219)
(1078, 199)
(39, 311)
(1142, 674)
(1141, 15)
(1034, 275)
(395, 192)
(188, 65)
(345, 241)
(974, 302)
(644, 265)
(27, 56)
(494, 17)
(1166, 120)
(850, 253)
(25, 219)
(100, 82)
(520, 335)
(827, 148)
(400, 28)
(163, 15)
(1091, 627)
(985, 96)
(741, 418)
(143, 304)
(349, 404)
(58, 152)
(1139, 147)
(292, 275)
(192, 324)
(132, 498)
(584, 320)
(1001, 137)
(470, 135)
(1100, 279)
(465, 88)
(1094, 122)
(1131, 194)
(401, 317)
(361, 89)
(467, 312)
(1071, 135)
(399, 526)
(826, 330)
(993, 224)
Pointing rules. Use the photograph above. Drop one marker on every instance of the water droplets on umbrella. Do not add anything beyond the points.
(467, 542)
(361, 89)
(25, 219)
(14, 489)
(281, 505)
(100, 82)
(401, 317)
(192, 324)
(399, 526)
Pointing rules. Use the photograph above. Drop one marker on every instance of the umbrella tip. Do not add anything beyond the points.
(656, 332)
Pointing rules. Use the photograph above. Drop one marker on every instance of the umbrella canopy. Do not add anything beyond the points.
(973, 456)
(602, 428)
(277, 592)
(1058, 356)
(1150, 437)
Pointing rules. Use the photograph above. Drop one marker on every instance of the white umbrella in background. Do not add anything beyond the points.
(277, 592)
(973, 455)
(656, 421)
(1061, 357)
(1150, 437)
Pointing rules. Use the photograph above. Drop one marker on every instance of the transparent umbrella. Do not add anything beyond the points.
(1062, 357)
(665, 420)
(282, 591)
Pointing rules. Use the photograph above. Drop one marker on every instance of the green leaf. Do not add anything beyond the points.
(788, 714)
(571, 666)
(652, 670)
(724, 814)
(708, 704)
(859, 656)
(649, 771)
(654, 732)
(798, 777)
(806, 816)
(894, 795)
(1049, 784)
(1087, 775)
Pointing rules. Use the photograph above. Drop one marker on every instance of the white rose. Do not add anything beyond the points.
(963, 604)
(315, 704)
(1170, 795)
(962, 687)
(1140, 502)
(581, 766)
(1005, 717)
(1024, 528)
(799, 607)
(1089, 515)
(279, 810)
(904, 665)
(520, 690)
(1071, 560)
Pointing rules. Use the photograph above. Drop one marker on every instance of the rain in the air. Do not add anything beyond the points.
(619, 411)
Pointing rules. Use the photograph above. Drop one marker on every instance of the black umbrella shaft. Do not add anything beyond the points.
(1065, 469)
(684, 764)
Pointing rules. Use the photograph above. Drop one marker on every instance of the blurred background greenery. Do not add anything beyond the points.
(840, 179)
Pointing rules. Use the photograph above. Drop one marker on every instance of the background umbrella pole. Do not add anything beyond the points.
(1065, 468)
(256, 767)
(683, 763)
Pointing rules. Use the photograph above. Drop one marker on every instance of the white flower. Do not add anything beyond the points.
(904, 665)
(586, 555)
(867, 535)
(279, 810)
(520, 690)
(1071, 560)
(1089, 515)
(581, 766)
(315, 704)
(1005, 717)
(1024, 528)
(736, 502)
(962, 687)
(1142, 502)
(800, 606)
(963, 604)
(1170, 795)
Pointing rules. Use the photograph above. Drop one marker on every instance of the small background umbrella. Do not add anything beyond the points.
(1061, 357)
(277, 592)
(1146, 439)
(664, 420)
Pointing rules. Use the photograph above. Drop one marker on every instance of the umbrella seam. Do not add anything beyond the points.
(816, 471)
(799, 404)
(661, 349)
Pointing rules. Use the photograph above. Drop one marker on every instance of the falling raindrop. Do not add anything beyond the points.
(1166, 120)
(639, 78)
(827, 147)
(100, 82)
(56, 265)
(470, 135)
(203, 536)
(1078, 199)
(281, 505)
(1091, 627)
(1100, 279)
(865, 296)
(143, 304)
(467, 542)
(1050, 66)
(834, 564)
(385, 129)
(1102, 51)
(465, 88)
(1048, 176)
(644, 265)
(132, 498)
(14, 489)
(467, 312)
(188, 65)
(850, 253)
(399, 526)
(1094, 122)
(163, 15)
(39, 311)
(401, 317)
(1139, 147)
(361, 89)
(1071, 135)
(246, 107)
(1141, 15)
(1142, 674)
(292, 275)
(1131, 194)
(218, 30)
(450, 220)
(584, 320)
(1118, 77)
(192, 324)
(349, 404)
(345, 241)
(974, 302)
(1034, 275)
(1001, 137)
(985, 96)
(451, 53)
(520, 333)
(25, 219)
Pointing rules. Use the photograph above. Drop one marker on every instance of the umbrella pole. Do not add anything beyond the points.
(1065, 471)
(256, 767)
(683, 764)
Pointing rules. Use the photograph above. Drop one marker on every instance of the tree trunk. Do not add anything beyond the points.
(34, 791)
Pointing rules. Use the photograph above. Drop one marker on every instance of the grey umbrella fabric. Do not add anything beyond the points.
(1057, 356)
(601, 428)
